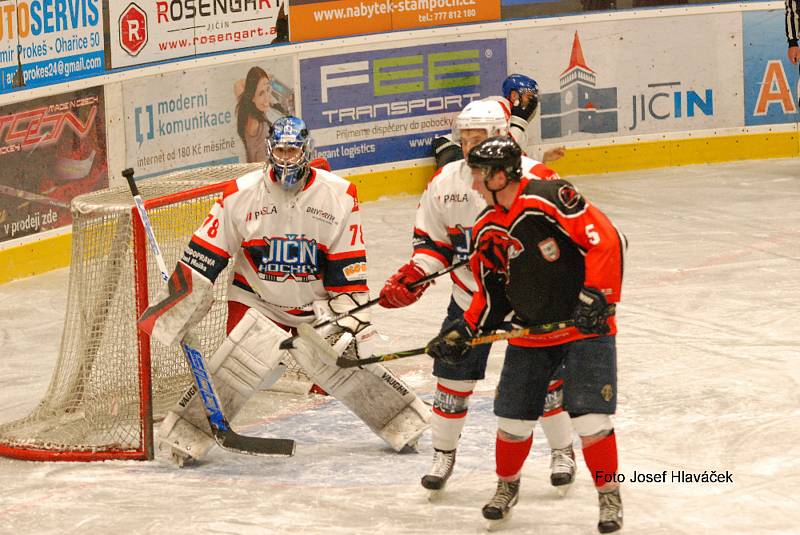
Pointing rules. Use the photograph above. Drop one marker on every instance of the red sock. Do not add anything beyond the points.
(510, 456)
(601, 458)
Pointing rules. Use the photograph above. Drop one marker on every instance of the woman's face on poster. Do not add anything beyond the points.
(262, 98)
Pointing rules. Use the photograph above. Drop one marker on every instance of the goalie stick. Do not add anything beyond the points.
(289, 342)
(544, 328)
(225, 437)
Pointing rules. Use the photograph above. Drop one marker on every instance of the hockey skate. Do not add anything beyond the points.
(562, 469)
(610, 512)
(440, 472)
(498, 510)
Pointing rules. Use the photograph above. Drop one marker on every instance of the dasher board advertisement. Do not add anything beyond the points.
(51, 150)
(524, 9)
(44, 42)
(205, 116)
(325, 19)
(770, 80)
(145, 31)
(380, 106)
(593, 86)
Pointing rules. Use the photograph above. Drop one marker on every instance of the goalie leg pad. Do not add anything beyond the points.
(389, 407)
(178, 435)
(246, 358)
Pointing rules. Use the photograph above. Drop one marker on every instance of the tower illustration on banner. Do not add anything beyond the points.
(579, 106)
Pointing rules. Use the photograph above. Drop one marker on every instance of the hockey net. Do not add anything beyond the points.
(110, 383)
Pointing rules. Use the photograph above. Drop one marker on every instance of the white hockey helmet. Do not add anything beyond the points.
(486, 115)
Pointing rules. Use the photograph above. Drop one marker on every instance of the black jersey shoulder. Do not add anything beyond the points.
(560, 193)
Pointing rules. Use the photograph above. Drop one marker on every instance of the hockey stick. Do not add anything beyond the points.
(289, 342)
(544, 328)
(226, 437)
(496, 336)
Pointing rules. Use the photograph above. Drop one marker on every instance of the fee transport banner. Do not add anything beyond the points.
(379, 106)
(44, 42)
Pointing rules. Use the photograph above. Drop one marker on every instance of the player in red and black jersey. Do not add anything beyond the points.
(544, 254)
(442, 236)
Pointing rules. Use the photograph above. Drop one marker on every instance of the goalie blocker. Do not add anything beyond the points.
(250, 356)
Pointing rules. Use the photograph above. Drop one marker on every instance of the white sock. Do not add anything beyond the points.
(558, 430)
(449, 413)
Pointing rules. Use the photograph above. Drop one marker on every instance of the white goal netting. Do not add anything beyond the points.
(109, 383)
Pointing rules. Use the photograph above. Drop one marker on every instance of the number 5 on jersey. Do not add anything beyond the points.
(592, 235)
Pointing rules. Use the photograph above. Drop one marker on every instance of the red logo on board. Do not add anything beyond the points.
(133, 29)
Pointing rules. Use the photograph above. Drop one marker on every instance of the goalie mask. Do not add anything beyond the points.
(487, 115)
(494, 154)
(289, 151)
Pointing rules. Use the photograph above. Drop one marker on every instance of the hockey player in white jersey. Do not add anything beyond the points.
(520, 101)
(294, 235)
(442, 236)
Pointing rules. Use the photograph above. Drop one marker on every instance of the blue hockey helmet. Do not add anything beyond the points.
(289, 150)
(523, 85)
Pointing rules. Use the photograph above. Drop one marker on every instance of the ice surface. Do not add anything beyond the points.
(709, 379)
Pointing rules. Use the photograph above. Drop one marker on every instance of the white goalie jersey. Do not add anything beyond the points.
(289, 249)
(443, 226)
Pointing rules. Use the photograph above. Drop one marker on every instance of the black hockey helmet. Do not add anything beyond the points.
(499, 152)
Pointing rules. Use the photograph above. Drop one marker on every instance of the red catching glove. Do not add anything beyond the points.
(396, 293)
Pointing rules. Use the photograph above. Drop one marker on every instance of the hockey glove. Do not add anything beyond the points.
(452, 343)
(445, 150)
(356, 347)
(495, 248)
(352, 336)
(396, 293)
(592, 312)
